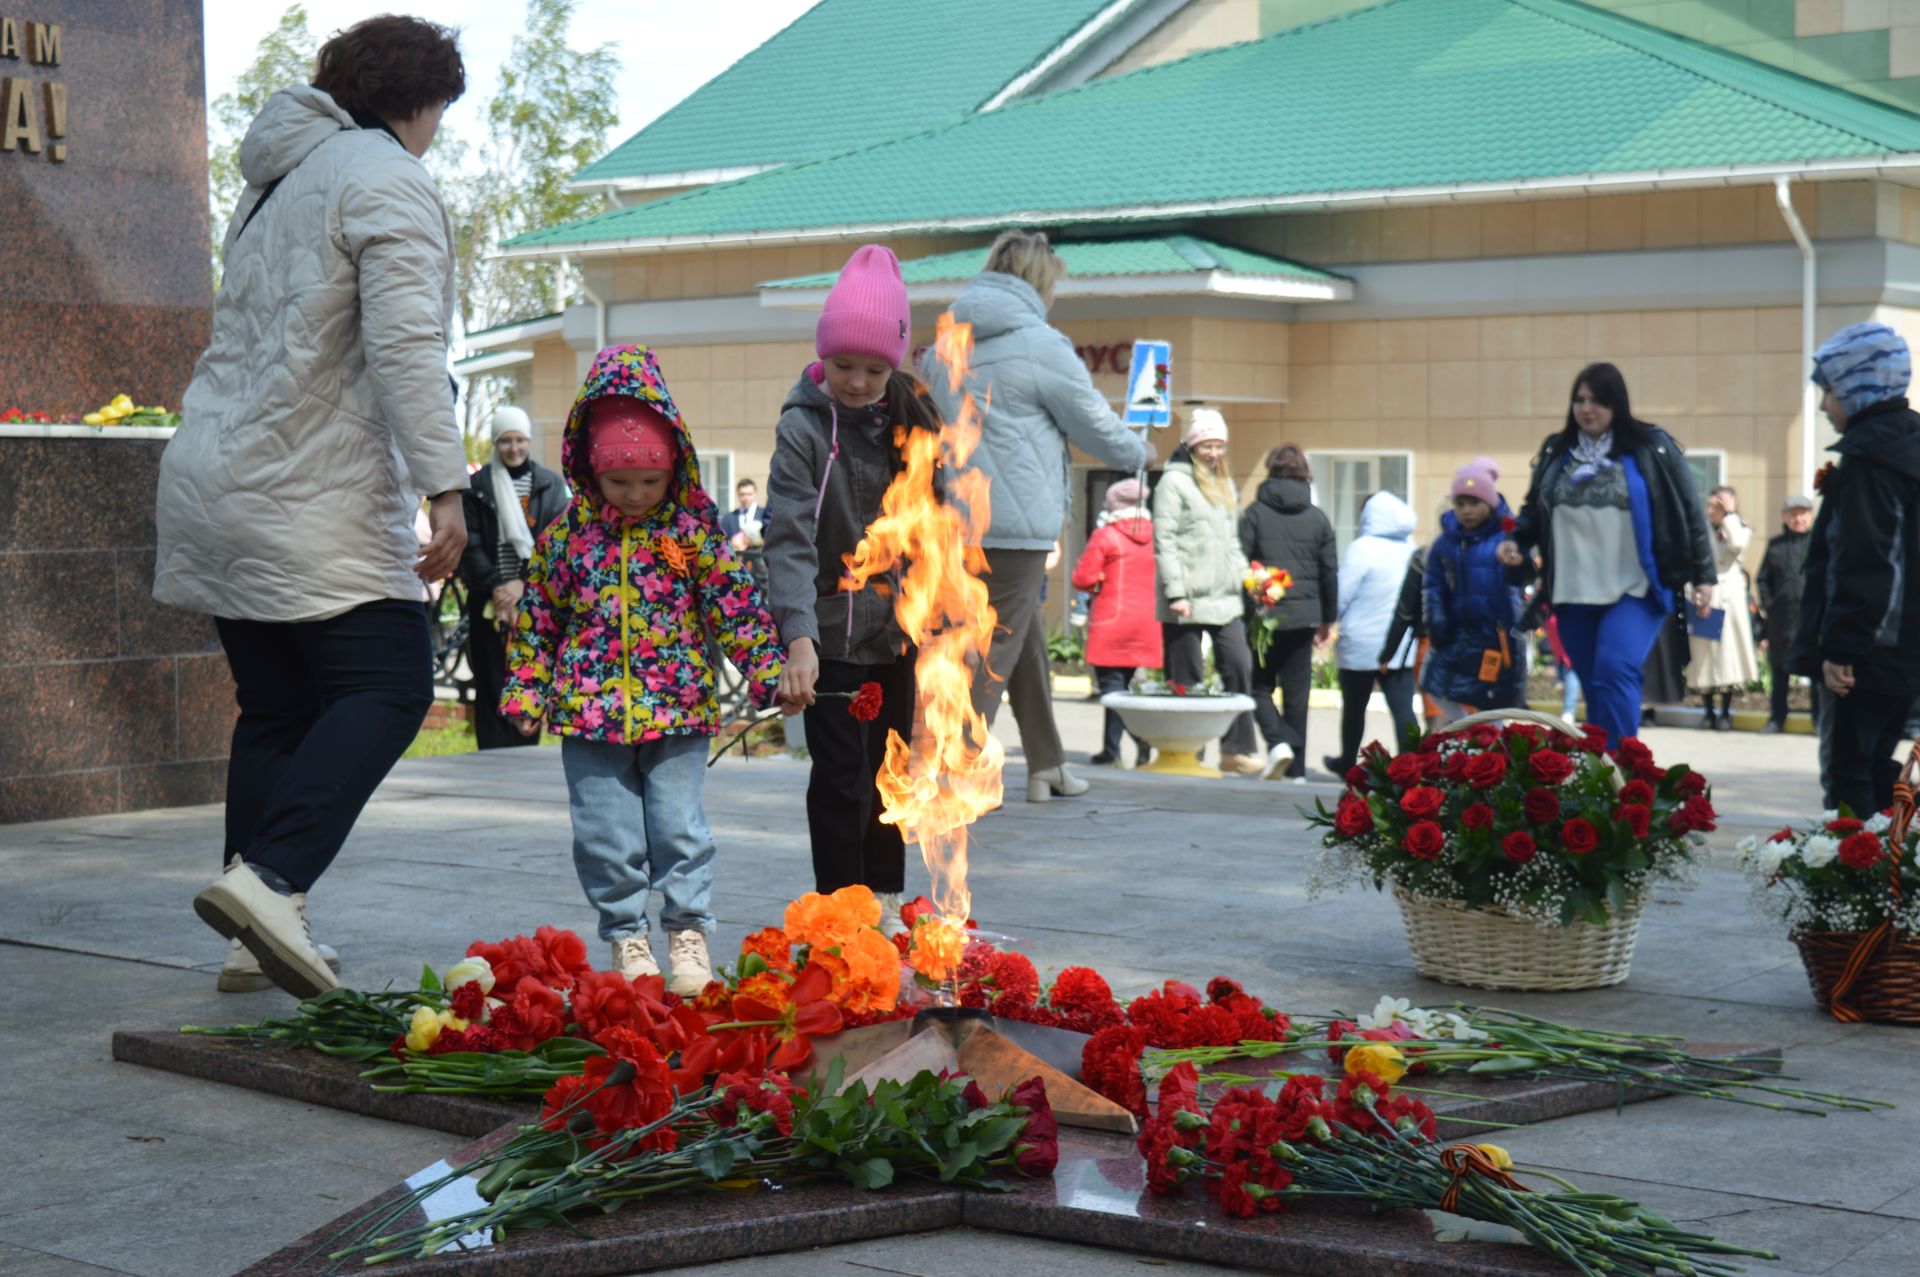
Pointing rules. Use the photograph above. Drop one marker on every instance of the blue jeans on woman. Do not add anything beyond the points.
(1608, 644)
(638, 826)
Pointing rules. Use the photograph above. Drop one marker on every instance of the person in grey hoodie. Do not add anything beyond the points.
(1038, 398)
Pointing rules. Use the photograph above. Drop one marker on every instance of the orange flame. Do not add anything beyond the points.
(948, 776)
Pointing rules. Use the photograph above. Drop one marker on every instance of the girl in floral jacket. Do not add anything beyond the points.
(611, 651)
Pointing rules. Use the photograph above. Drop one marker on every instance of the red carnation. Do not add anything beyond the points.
(1518, 847)
(1422, 802)
(1081, 991)
(1478, 816)
(1013, 975)
(1637, 791)
(1484, 771)
(1353, 818)
(1508, 523)
(1635, 816)
(1542, 806)
(1844, 825)
(1862, 851)
(1407, 769)
(470, 1001)
(1110, 1065)
(866, 702)
(1551, 766)
(1426, 840)
(1579, 836)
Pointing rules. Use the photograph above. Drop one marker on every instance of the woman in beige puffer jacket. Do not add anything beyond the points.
(316, 421)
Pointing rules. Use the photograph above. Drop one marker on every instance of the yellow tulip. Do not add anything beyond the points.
(94, 419)
(424, 1031)
(1383, 1061)
(1500, 1158)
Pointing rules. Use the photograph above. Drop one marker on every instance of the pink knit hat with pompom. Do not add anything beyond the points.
(866, 312)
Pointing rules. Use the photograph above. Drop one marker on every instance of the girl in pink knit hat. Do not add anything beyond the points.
(834, 455)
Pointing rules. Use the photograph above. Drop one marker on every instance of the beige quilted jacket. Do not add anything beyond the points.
(322, 411)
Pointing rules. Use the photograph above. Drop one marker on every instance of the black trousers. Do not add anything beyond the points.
(1355, 687)
(850, 845)
(1288, 666)
(1231, 657)
(1115, 678)
(1859, 734)
(487, 661)
(326, 710)
(1782, 684)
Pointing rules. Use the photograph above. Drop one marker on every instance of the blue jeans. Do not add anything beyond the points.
(638, 825)
(1608, 646)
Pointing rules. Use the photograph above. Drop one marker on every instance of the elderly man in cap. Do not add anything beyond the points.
(1779, 583)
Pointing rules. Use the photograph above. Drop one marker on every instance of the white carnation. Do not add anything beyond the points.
(1819, 851)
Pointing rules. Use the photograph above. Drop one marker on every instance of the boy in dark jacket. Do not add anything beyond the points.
(1472, 601)
(1780, 580)
(1859, 631)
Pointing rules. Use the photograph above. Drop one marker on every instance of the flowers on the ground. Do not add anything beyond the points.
(1549, 828)
(1841, 873)
(121, 410)
(1377, 1058)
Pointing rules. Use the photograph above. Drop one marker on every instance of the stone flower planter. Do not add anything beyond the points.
(1177, 727)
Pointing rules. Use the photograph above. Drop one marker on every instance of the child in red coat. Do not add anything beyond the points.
(1123, 633)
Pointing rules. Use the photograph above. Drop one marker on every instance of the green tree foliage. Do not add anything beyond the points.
(285, 57)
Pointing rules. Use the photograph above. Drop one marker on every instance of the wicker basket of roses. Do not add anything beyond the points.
(1519, 851)
(1849, 891)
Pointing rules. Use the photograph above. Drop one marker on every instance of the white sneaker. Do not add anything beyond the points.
(272, 927)
(687, 962)
(241, 972)
(1279, 758)
(890, 923)
(1043, 785)
(633, 957)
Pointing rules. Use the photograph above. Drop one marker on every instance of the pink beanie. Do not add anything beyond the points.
(1205, 424)
(1480, 479)
(1123, 494)
(866, 312)
(625, 434)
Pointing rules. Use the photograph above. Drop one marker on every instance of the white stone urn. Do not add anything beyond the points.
(1178, 727)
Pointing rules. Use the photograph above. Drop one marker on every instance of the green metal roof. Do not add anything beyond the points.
(846, 73)
(1409, 94)
(1096, 259)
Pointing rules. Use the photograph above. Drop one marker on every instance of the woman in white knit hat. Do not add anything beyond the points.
(1201, 572)
(510, 500)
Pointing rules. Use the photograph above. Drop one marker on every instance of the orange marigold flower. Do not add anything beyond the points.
(826, 921)
(773, 947)
(873, 973)
(938, 948)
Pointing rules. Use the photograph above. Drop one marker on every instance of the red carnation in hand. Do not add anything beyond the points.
(1635, 816)
(866, 702)
(1508, 523)
(1353, 818)
(1518, 847)
(1426, 840)
(1862, 851)
(1579, 836)
(1542, 806)
(1485, 771)
(1551, 766)
(1478, 816)
(1422, 802)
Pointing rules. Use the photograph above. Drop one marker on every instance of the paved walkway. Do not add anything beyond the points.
(114, 1168)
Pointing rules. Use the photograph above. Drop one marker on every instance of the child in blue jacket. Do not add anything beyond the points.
(1472, 601)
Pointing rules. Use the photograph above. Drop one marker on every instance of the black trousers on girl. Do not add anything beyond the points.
(1288, 666)
(850, 845)
(326, 710)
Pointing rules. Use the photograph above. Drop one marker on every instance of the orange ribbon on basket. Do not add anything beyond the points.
(1869, 943)
(1465, 1159)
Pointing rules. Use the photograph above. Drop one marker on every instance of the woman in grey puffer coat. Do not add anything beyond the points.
(1038, 398)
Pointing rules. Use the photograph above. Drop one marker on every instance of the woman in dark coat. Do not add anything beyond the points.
(1284, 529)
(508, 503)
(1621, 533)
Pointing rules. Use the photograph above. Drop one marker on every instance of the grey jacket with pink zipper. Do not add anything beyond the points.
(831, 465)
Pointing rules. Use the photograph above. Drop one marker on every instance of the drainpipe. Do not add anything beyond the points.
(1809, 393)
(599, 307)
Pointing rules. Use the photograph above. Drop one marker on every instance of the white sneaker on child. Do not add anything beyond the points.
(633, 957)
(687, 965)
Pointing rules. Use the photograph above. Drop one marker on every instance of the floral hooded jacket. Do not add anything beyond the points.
(610, 645)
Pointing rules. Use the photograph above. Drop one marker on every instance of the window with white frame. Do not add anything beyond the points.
(1709, 466)
(1343, 480)
(716, 476)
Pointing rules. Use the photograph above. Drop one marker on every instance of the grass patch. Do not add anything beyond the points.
(441, 742)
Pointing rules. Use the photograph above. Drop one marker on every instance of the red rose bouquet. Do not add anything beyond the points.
(1549, 828)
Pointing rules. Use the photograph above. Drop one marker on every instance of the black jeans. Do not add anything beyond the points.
(1782, 684)
(1231, 657)
(487, 662)
(1859, 734)
(1288, 666)
(1114, 678)
(326, 710)
(850, 845)
(1355, 687)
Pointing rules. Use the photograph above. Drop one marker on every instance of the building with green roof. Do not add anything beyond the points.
(1389, 231)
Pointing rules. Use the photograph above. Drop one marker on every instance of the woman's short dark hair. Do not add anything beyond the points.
(1288, 462)
(1609, 389)
(391, 67)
